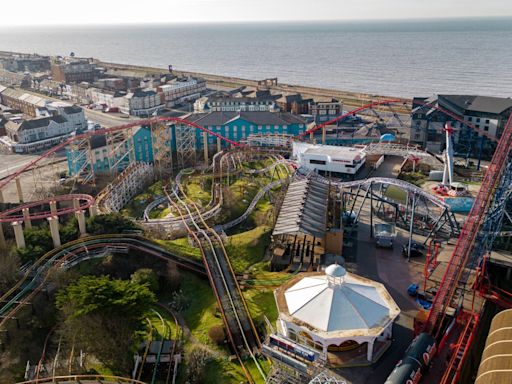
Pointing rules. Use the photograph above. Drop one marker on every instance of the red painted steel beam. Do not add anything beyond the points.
(16, 213)
(466, 241)
(104, 131)
(350, 113)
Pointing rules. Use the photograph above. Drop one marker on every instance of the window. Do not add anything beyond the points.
(477, 119)
(470, 118)
(486, 128)
(487, 121)
(313, 161)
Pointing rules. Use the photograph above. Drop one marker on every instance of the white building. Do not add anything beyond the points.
(329, 158)
(346, 318)
(36, 134)
(141, 103)
(182, 90)
(32, 135)
(235, 104)
(107, 97)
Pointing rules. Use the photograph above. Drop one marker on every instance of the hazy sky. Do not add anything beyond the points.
(30, 12)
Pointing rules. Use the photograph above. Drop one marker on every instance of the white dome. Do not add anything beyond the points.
(352, 303)
(335, 270)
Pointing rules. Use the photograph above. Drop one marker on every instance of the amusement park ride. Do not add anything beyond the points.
(481, 227)
(449, 187)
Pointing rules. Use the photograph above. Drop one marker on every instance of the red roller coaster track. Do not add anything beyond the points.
(469, 232)
(16, 213)
(155, 120)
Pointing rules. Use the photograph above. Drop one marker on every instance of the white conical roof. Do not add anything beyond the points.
(338, 301)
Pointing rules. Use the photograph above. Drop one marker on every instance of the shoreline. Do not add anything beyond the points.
(349, 98)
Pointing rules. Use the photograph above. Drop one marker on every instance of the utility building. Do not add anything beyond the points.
(329, 159)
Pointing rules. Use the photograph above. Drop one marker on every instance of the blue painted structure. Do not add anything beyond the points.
(143, 151)
(235, 126)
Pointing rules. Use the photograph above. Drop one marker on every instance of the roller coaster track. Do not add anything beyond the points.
(176, 120)
(253, 204)
(16, 213)
(408, 187)
(241, 331)
(74, 252)
(212, 283)
(466, 243)
(82, 379)
(210, 210)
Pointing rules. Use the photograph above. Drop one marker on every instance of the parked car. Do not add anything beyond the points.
(417, 249)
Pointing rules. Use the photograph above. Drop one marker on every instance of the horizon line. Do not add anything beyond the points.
(122, 23)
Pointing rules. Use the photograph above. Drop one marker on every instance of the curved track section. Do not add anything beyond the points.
(75, 252)
(251, 206)
(104, 131)
(16, 213)
(411, 188)
(176, 120)
(82, 379)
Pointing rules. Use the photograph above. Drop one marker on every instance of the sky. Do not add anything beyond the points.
(54, 12)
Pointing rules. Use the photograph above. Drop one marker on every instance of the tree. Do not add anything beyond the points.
(105, 317)
(69, 231)
(9, 262)
(217, 334)
(146, 276)
(38, 241)
(109, 223)
(196, 361)
(173, 276)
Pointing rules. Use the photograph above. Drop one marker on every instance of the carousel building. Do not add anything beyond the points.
(345, 318)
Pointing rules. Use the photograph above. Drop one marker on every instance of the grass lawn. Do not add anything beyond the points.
(199, 189)
(261, 303)
(201, 313)
(181, 247)
(136, 207)
(247, 248)
(162, 329)
(397, 194)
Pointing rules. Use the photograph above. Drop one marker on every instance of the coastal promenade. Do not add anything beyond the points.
(350, 99)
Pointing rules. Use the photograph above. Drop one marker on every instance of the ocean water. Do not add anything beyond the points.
(413, 58)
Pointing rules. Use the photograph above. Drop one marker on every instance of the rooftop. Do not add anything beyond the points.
(256, 118)
(337, 303)
(35, 123)
(485, 104)
(304, 209)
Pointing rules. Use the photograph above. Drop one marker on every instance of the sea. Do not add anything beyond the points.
(395, 58)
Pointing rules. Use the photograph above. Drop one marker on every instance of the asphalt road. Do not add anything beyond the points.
(10, 163)
(104, 119)
(107, 120)
(386, 266)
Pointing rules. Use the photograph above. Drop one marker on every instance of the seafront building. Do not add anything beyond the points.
(141, 102)
(239, 125)
(180, 90)
(323, 111)
(486, 113)
(72, 70)
(228, 103)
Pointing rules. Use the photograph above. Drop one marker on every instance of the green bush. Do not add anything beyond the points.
(109, 224)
